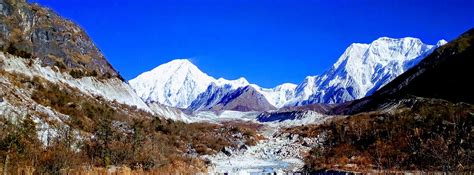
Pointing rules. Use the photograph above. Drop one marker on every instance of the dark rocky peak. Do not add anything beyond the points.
(30, 31)
(244, 99)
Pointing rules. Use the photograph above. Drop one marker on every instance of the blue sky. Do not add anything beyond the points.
(267, 41)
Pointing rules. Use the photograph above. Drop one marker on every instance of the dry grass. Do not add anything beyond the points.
(432, 136)
(123, 135)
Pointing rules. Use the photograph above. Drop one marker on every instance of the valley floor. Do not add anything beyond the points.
(277, 153)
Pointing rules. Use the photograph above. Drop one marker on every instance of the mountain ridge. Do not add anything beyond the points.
(176, 83)
(363, 68)
(381, 61)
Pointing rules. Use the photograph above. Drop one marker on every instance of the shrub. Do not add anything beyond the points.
(76, 73)
(123, 135)
(434, 136)
(14, 50)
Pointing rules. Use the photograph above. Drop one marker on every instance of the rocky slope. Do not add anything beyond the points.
(52, 73)
(214, 94)
(112, 89)
(36, 42)
(243, 99)
(32, 31)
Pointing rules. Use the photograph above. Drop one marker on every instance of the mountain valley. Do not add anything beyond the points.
(395, 105)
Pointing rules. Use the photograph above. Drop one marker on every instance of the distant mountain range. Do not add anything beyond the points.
(359, 71)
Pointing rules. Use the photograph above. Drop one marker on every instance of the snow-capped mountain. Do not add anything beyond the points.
(438, 78)
(278, 96)
(362, 69)
(215, 92)
(178, 83)
(359, 71)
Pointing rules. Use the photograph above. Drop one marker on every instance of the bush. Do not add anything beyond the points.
(76, 73)
(13, 50)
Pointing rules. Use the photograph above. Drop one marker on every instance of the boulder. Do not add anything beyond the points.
(226, 151)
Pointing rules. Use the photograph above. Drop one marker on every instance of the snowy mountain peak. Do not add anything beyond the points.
(362, 69)
(176, 83)
(303, 91)
(388, 39)
(286, 86)
(179, 66)
(234, 84)
(441, 42)
(179, 61)
(355, 50)
(359, 71)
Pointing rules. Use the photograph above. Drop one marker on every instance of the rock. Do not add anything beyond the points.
(295, 137)
(237, 135)
(207, 161)
(278, 151)
(244, 99)
(243, 147)
(57, 41)
(226, 151)
(285, 135)
(71, 105)
(305, 143)
(381, 118)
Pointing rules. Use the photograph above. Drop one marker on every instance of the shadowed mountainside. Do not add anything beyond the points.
(445, 74)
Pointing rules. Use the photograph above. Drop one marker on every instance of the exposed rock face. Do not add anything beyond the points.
(209, 98)
(282, 116)
(244, 99)
(28, 30)
(36, 42)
